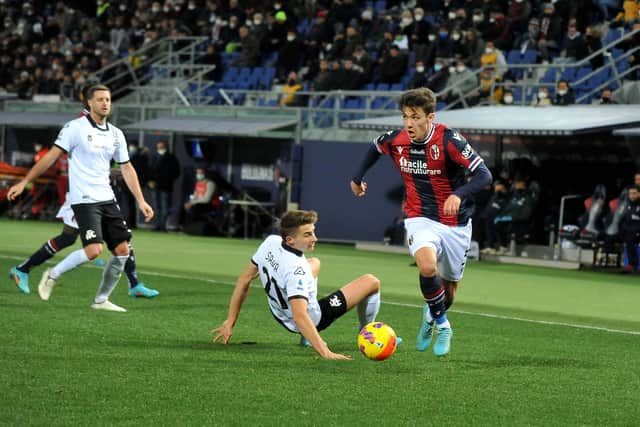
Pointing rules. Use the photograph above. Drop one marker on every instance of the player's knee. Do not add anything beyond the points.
(374, 283)
(427, 270)
(93, 251)
(314, 262)
(122, 249)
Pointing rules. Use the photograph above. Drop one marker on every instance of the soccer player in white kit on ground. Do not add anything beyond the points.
(290, 281)
(92, 143)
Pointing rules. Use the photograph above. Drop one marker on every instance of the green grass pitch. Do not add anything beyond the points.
(531, 346)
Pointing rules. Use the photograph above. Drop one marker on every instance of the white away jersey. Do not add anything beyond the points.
(91, 149)
(65, 213)
(286, 273)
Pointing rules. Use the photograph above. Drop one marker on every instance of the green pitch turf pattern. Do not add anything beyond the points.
(531, 346)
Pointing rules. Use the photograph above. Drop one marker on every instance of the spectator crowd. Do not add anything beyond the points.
(52, 48)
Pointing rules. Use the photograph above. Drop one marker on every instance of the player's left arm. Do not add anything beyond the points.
(131, 179)
(461, 153)
(307, 328)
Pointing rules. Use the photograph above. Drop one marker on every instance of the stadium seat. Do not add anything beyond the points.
(612, 35)
(382, 86)
(380, 6)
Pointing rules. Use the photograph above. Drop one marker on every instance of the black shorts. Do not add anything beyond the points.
(101, 222)
(332, 307)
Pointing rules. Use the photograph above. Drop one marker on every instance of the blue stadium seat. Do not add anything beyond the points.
(382, 86)
(530, 57)
(396, 87)
(568, 74)
(612, 35)
(370, 87)
(380, 6)
(514, 57)
(549, 76)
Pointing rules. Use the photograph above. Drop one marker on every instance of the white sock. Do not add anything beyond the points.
(110, 276)
(71, 261)
(368, 309)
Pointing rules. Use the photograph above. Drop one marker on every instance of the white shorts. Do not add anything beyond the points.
(65, 213)
(450, 243)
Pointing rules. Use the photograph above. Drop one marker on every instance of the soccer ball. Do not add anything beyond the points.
(377, 341)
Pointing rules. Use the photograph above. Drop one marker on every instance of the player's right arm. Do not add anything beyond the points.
(308, 329)
(38, 169)
(238, 297)
(379, 147)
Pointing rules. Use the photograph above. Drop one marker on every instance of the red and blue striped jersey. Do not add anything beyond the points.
(432, 170)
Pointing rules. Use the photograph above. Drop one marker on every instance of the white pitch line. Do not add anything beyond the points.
(399, 304)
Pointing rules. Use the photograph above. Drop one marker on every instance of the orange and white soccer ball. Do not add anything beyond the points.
(377, 341)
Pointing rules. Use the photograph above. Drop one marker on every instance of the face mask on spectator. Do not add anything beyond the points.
(455, 36)
(257, 21)
(431, 37)
(562, 92)
(478, 18)
(155, 9)
(367, 15)
(166, 9)
(452, 70)
(420, 68)
(123, 7)
(162, 152)
(419, 17)
(291, 37)
(406, 22)
(452, 16)
(437, 67)
(191, 6)
(132, 150)
(542, 94)
(460, 68)
(508, 99)
(488, 50)
(200, 176)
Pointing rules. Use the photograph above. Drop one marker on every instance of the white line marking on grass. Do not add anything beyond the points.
(522, 319)
(399, 304)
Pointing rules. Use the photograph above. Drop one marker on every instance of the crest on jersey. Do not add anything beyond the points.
(434, 152)
(467, 151)
(298, 271)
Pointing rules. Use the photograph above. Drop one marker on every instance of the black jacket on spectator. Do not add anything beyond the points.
(165, 170)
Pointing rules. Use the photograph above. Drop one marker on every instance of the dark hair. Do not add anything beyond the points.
(93, 89)
(291, 220)
(421, 97)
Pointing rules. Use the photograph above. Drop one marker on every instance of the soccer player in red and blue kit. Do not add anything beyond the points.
(435, 163)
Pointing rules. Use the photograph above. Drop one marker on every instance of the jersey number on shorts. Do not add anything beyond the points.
(267, 288)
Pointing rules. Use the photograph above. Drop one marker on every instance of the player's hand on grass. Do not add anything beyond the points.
(147, 211)
(15, 190)
(223, 332)
(328, 354)
(359, 190)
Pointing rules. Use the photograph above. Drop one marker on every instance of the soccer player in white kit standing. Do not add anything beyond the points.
(290, 281)
(92, 142)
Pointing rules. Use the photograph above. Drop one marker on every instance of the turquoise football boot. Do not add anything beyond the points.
(21, 279)
(141, 291)
(425, 334)
(443, 342)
